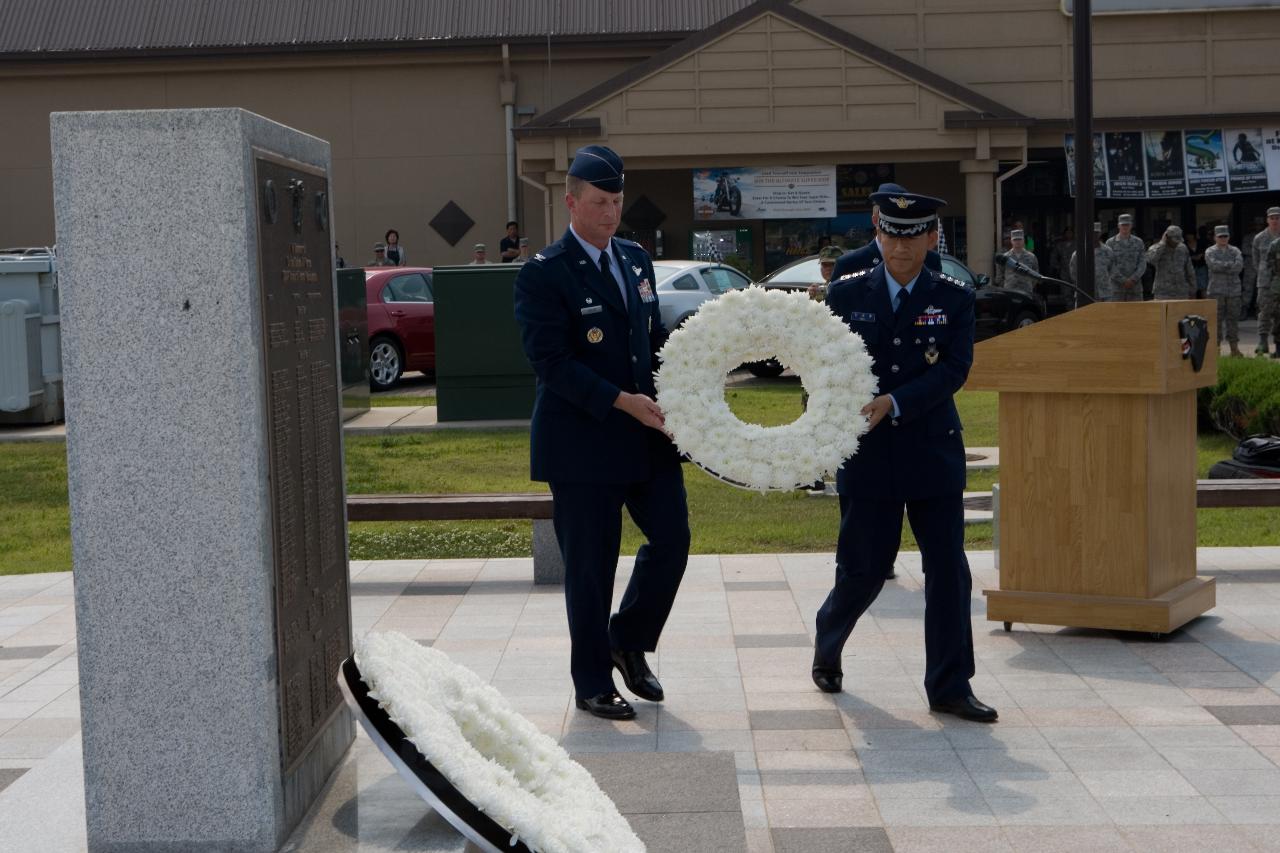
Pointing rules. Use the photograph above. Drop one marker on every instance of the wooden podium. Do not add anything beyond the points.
(1098, 467)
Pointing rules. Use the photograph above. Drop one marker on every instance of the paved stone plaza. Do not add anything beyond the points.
(1105, 742)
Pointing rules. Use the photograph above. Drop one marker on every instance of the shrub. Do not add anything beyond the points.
(1246, 399)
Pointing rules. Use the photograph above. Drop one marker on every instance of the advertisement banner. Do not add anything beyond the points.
(1246, 164)
(1099, 165)
(1166, 177)
(1271, 144)
(1206, 164)
(1126, 175)
(770, 192)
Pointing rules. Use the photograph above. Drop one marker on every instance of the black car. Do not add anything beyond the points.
(998, 309)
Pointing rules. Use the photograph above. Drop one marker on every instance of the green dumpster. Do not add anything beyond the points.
(481, 370)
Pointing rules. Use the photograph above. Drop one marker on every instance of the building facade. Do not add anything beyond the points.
(963, 99)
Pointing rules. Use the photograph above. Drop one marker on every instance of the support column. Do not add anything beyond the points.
(979, 212)
(558, 213)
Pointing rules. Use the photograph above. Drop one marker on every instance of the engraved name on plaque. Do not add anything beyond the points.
(304, 428)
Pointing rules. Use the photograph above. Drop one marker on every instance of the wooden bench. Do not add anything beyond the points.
(548, 567)
(1210, 494)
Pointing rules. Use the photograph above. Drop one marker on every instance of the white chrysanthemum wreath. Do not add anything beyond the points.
(753, 325)
(497, 759)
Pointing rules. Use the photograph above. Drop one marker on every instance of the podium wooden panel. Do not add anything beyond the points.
(1098, 467)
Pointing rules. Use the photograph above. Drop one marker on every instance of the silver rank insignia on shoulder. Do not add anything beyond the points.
(539, 257)
(850, 275)
(582, 263)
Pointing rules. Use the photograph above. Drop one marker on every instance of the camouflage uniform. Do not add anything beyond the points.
(1175, 278)
(1273, 289)
(1130, 262)
(1015, 280)
(1225, 264)
(1104, 267)
(1063, 251)
(1268, 297)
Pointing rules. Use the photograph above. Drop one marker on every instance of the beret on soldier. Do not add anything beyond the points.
(599, 166)
(905, 214)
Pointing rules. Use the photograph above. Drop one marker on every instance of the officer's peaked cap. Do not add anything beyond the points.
(903, 213)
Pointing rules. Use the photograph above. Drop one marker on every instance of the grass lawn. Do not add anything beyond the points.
(379, 400)
(34, 529)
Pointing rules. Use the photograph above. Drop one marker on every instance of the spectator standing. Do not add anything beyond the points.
(1130, 262)
(380, 256)
(509, 246)
(1104, 265)
(395, 252)
(1224, 263)
(479, 255)
(1063, 250)
(1267, 308)
(1029, 242)
(1011, 278)
(1169, 257)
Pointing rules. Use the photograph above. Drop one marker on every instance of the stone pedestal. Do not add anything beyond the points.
(205, 465)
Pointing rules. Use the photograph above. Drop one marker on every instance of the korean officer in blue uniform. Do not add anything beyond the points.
(589, 321)
(918, 327)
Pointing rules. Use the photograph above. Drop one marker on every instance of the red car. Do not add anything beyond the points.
(402, 323)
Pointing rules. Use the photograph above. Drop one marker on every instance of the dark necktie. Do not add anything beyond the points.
(898, 302)
(608, 276)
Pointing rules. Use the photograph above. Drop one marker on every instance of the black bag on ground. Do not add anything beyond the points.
(1257, 456)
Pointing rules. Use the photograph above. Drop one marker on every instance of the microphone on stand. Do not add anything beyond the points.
(1013, 264)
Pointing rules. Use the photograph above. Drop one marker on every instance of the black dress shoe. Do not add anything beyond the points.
(828, 678)
(609, 705)
(891, 574)
(636, 674)
(968, 708)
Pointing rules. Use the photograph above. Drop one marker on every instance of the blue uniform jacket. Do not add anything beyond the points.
(920, 453)
(585, 347)
(869, 255)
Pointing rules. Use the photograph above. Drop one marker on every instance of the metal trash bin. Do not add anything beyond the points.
(30, 346)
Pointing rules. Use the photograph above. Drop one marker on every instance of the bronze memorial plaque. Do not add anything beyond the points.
(313, 634)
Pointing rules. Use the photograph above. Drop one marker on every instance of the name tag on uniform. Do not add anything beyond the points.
(646, 292)
(592, 309)
(862, 317)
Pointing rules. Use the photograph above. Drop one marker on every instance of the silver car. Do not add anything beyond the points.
(683, 286)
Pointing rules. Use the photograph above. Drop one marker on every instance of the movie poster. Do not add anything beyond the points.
(1206, 163)
(1099, 165)
(1166, 176)
(1246, 161)
(1126, 177)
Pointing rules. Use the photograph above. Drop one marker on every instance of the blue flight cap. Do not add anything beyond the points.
(905, 214)
(599, 166)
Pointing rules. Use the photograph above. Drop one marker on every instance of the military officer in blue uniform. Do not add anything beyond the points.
(589, 320)
(870, 255)
(918, 327)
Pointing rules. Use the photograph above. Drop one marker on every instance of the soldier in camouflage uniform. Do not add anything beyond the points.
(1273, 270)
(1130, 262)
(1013, 279)
(1060, 257)
(1268, 295)
(1104, 265)
(1224, 262)
(1175, 277)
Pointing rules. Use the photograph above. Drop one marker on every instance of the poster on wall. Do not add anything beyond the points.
(857, 182)
(1246, 164)
(1271, 151)
(1166, 177)
(1099, 165)
(770, 192)
(1126, 177)
(1206, 165)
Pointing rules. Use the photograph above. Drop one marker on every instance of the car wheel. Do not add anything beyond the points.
(766, 369)
(1024, 319)
(386, 364)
